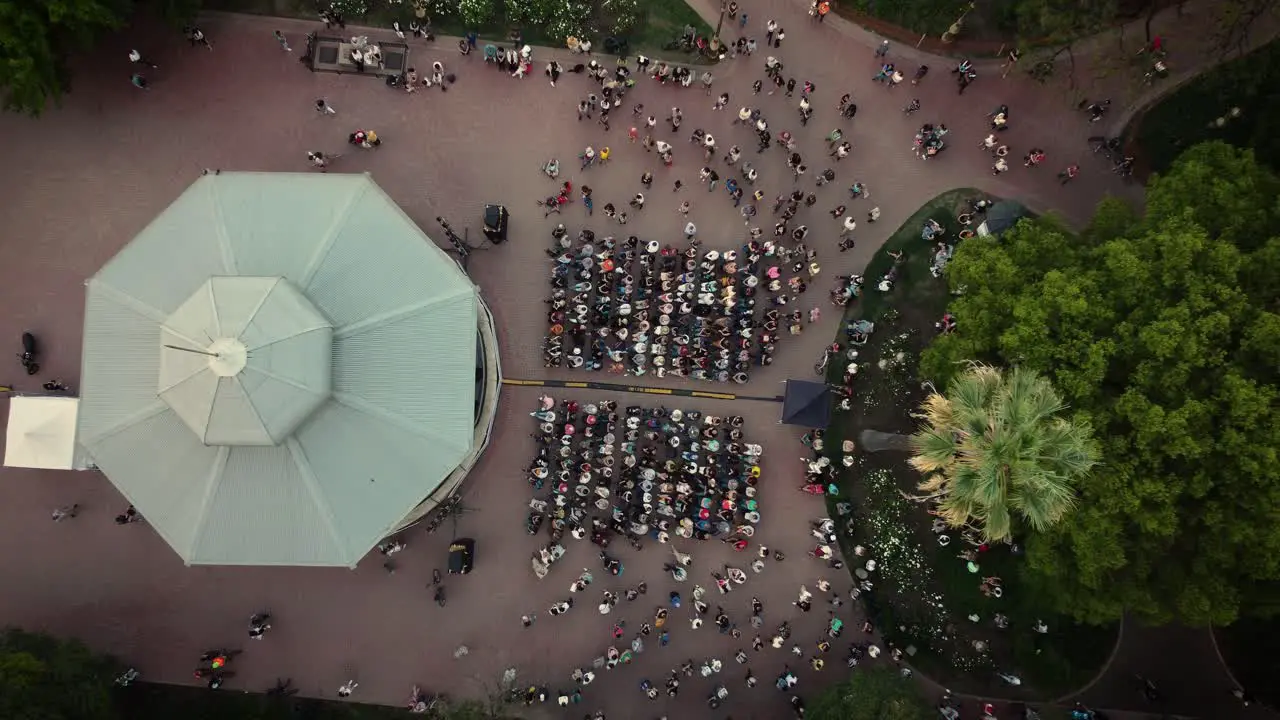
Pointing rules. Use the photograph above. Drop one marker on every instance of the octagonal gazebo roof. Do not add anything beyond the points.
(278, 369)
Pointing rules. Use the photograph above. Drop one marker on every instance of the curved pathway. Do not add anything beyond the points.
(86, 178)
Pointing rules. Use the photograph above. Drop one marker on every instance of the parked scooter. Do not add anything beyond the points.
(28, 355)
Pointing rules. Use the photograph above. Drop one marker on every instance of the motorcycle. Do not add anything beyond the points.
(534, 523)
(28, 355)
(127, 677)
(217, 659)
(439, 595)
(214, 680)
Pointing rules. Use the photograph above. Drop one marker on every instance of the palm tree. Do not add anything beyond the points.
(994, 448)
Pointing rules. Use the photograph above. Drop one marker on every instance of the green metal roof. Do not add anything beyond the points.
(278, 369)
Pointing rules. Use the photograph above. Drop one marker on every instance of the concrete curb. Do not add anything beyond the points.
(1102, 672)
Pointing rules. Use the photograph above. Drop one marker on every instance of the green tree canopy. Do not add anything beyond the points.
(995, 448)
(44, 678)
(36, 37)
(874, 692)
(1162, 333)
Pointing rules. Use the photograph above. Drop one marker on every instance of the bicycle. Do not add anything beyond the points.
(1158, 71)
(1095, 110)
(1041, 71)
(1105, 146)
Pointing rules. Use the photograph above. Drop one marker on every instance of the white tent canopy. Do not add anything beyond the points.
(42, 432)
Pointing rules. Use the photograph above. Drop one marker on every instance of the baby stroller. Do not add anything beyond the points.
(552, 168)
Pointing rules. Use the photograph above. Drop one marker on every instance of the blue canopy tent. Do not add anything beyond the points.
(806, 403)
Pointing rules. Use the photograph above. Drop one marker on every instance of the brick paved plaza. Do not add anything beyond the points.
(81, 181)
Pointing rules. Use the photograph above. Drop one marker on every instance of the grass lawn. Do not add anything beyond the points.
(924, 594)
(1188, 116)
(921, 16)
(1251, 648)
(665, 20)
(146, 701)
(661, 21)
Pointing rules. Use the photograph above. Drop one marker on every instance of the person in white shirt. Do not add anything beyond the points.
(136, 57)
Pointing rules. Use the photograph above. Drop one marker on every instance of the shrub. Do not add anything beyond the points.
(569, 18)
(530, 12)
(476, 13)
(623, 15)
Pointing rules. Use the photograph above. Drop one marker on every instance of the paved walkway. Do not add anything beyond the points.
(86, 178)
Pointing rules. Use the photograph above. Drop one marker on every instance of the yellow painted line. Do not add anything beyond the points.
(639, 389)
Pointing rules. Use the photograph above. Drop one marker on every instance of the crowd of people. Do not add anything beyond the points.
(639, 306)
(633, 308)
(643, 474)
(670, 475)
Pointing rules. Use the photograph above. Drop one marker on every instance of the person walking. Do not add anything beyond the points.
(347, 688)
(883, 50)
(1068, 174)
(259, 624)
(284, 42)
(318, 160)
(137, 58)
(778, 36)
(324, 108)
(849, 226)
(690, 230)
(770, 27)
(196, 37)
